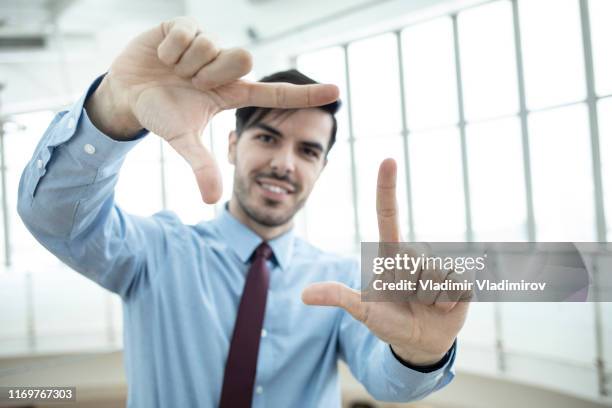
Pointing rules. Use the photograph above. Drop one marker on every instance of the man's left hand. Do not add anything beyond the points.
(420, 331)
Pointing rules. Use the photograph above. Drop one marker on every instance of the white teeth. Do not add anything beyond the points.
(274, 189)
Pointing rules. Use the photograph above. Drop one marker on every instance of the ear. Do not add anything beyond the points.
(231, 147)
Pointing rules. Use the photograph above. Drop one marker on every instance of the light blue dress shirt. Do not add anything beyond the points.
(181, 285)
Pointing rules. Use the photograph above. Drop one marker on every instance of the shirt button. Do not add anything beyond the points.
(39, 163)
(264, 333)
(259, 389)
(89, 149)
(71, 123)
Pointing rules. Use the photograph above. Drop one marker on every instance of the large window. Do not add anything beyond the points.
(605, 144)
(25, 253)
(498, 117)
(139, 190)
(497, 180)
(374, 81)
(437, 185)
(429, 75)
(554, 60)
(515, 113)
(488, 70)
(562, 174)
(335, 183)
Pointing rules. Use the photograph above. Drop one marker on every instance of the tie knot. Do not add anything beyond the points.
(263, 251)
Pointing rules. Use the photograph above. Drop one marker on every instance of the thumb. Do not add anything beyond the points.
(202, 163)
(335, 294)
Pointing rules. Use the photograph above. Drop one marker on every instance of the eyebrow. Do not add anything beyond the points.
(314, 145)
(268, 128)
(274, 131)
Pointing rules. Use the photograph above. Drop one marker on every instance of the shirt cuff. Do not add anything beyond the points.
(87, 144)
(430, 367)
(399, 367)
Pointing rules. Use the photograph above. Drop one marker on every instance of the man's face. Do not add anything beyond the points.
(277, 163)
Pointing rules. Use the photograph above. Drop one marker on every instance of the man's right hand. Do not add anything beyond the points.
(172, 80)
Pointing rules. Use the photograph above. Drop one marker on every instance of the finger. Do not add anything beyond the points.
(460, 308)
(227, 67)
(455, 296)
(201, 52)
(202, 163)
(413, 273)
(431, 276)
(178, 35)
(417, 253)
(386, 202)
(336, 294)
(447, 299)
(284, 95)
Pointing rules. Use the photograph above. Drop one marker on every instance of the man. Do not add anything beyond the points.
(212, 312)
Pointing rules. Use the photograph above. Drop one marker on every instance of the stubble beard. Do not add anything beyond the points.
(262, 216)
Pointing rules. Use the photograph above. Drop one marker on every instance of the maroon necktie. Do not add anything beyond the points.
(241, 362)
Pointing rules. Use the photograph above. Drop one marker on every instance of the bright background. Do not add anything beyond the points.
(499, 114)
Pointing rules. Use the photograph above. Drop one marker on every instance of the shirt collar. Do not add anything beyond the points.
(244, 241)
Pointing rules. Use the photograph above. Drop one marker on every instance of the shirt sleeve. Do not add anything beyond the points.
(385, 377)
(66, 200)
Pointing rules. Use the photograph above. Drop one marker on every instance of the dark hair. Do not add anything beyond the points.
(251, 115)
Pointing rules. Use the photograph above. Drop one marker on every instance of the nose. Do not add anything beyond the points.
(283, 161)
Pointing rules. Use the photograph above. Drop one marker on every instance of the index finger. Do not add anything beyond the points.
(287, 96)
(203, 164)
(386, 203)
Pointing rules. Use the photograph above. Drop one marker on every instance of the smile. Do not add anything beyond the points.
(274, 189)
(274, 186)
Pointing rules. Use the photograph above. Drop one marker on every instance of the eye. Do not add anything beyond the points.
(311, 153)
(265, 138)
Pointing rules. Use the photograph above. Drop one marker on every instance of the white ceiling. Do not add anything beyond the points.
(77, 15)
(83, 36)
(227, 19)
